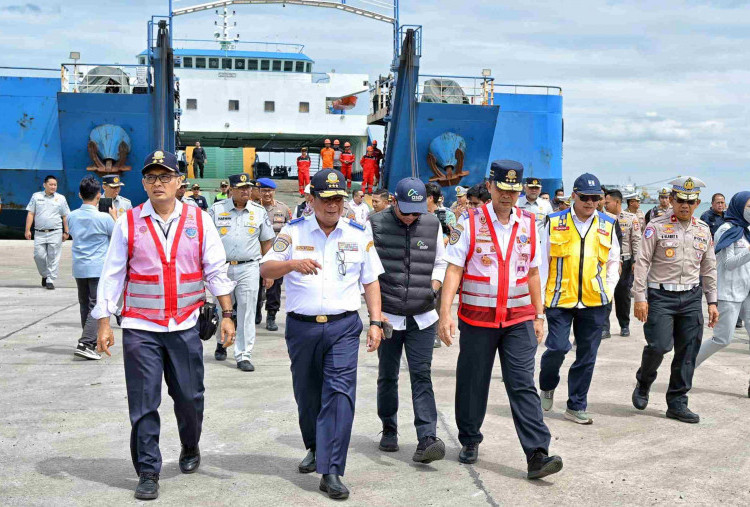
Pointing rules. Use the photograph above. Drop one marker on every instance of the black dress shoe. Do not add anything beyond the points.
(625, 331)
(331, 484)
(428, 450)
(739, 324)
(683, 414)
(190, 459)
(221, 353)
(271, 323)
(541, 465)
(469, 454)
(307, 465)
(258, 318)
(606, 334)
(389, 440)
(44, 281)
(50, 285)
(640, 397)
(245, 365)
(148, 486)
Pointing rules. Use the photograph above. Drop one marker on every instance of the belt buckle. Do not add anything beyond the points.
(321, 319)
(233, 263)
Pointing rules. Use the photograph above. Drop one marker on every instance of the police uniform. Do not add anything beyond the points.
(120, 203)
(49, 213)
(673, 258)
(496, 314)
(279, 214)
(540, 208)
(658, 211)
(639, 213)
(323, 324)
(583, 262)
(456, 208)
(631, 240)
(242, 232)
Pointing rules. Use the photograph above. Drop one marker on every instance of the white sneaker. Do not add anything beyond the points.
(86, 352)
(578, 416)
(548, 399)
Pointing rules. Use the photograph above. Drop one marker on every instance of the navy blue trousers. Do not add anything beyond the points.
(178, 356)
(419, 346)
(324, 376)
(516, 345)
(587, 329)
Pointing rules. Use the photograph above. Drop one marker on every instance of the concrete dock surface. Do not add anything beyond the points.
(64, 429)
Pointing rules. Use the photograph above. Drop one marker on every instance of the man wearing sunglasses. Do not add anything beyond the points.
(581, 271)
(162, 256)
(662, 207)
(409, 242)
(324, 259)
(676, 258)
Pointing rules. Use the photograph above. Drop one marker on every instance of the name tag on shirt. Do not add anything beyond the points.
(348, 246)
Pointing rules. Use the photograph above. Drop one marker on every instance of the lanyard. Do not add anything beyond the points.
(166, 233)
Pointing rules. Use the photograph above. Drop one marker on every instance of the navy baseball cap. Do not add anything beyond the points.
(241, 180)
(328, 183)
(266, 183)
(507, 175)
(160, 158)
(587, 184)
(533, 182)
(411, 196)
(112, 180)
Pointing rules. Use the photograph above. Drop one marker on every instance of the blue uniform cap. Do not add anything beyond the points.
(507, 175)
(533, 182)
(266, 183)
(411, 196)
(328, 183)
(587, 184)
(160, 158)
(241, 180)
(112, 180)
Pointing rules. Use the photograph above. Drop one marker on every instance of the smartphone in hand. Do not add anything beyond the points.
(387, 330)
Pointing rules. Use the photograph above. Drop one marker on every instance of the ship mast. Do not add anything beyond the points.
(221, 34)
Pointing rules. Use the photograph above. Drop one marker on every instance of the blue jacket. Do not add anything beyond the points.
(713, 219)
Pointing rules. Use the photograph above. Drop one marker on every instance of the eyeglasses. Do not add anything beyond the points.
(415, 215)
(588, 198)
(341, 262)
(164, 178)
(689, 202)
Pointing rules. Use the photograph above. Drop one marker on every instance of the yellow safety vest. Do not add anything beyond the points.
(573, 280)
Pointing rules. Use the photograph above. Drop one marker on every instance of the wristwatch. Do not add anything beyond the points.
(540, 316)
(226, 314)
(376, 323)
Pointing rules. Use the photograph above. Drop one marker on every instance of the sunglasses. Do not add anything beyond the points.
(589, 198)
(415, 215)
(689, 202)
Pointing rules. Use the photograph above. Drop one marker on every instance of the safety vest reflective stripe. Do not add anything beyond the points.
(479, 288)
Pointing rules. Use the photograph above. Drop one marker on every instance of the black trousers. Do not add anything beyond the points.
(273, 296)
(86, 302)
(418, 344)
(516, 345)
(675, 319)
(198, 168)
(622, 294)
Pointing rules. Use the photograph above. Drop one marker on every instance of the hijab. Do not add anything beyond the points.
(735, 215)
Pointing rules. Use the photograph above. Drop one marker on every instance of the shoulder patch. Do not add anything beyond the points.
(649, 231)
(296, 220)
(465, 215)
(356, 225)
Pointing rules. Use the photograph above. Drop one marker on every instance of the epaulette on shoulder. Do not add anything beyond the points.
(606, 217)
(296, 220)
(465, 214)
(698, 221)
(527, 214)
(356, 225)
(252, 203)
(124, 198)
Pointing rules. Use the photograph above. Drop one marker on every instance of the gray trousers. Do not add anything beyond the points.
(724, 329)
(86, 302)
(47, 251)
(245, 296)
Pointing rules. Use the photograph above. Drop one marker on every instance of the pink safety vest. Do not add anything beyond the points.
(495, 291)
(158, 288)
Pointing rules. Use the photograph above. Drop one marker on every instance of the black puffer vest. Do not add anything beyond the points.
(408, 257)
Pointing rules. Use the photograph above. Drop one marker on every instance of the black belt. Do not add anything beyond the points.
(234, 263)
(320, 319)
(46, 230)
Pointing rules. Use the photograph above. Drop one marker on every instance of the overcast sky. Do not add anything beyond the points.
(650, 91)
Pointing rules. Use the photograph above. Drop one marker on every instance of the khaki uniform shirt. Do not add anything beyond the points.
(671, 253)
(641, 217)
(279, 214)
(631, 234)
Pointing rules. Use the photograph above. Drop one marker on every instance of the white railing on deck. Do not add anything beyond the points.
(79, 78)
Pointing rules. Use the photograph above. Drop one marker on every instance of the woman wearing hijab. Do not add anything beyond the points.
(733, 273)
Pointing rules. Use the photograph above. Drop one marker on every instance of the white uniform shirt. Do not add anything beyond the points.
(112, 281)
(48, 210)
(541, 208)
(329, 292)
(122, 205)
(361, 211)
(613, 261)
(425, 319)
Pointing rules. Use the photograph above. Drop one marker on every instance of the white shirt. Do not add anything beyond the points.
(329, 292)
(541, 208)
(361, 211)
(425, 319)
(583, 226)
(112, 281)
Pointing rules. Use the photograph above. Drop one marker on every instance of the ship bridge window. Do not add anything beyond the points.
(276, 66)
(252, 64)
(304, 107)
(200, 63)
(269, 106)
(187, 62)
(288, 66)
(143, 60)
(226, 63)
(213, 63)
(239, 63)
(234, 105)
(299, 66)
(177, 62)
(265, 65)
(309, 68)
(192, 104)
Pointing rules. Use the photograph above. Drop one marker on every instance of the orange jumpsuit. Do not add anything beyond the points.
(326, 158)
(303, 173)
(370, 171)
(347, 161)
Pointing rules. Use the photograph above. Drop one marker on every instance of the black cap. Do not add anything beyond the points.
(507, 175)
(531, 181)
(241, 180)
(160, 158)
(328, 183)
(112, 180)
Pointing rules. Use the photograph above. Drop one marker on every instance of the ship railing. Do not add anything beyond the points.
(104, 78)
(271, 47)
(445, 89)
(519, 89)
